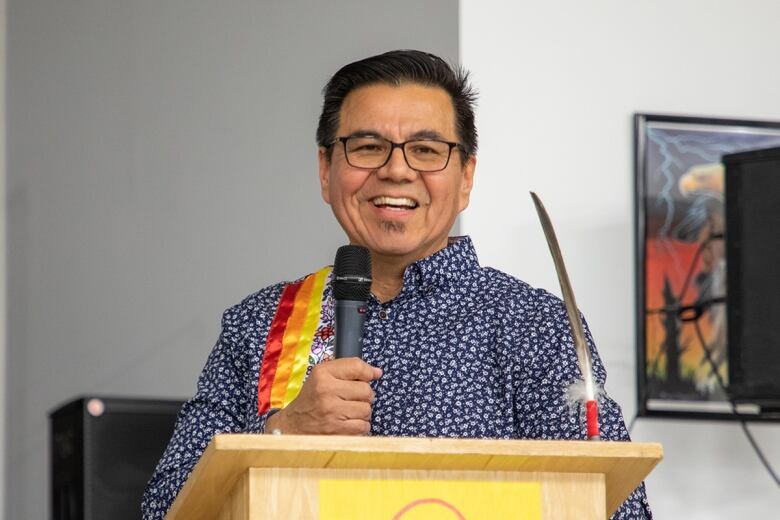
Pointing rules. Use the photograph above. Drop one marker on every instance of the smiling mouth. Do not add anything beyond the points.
(397, 203)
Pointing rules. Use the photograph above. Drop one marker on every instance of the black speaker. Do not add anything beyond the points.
(103, 452)
(753, 264)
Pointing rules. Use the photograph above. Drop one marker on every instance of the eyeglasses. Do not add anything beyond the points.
(371, 152)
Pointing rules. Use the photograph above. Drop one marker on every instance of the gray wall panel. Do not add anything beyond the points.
(161, 166)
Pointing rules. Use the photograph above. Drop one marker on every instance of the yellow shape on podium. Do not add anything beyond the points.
(429, 500)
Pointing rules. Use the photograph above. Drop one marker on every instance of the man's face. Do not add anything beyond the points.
(359, 197)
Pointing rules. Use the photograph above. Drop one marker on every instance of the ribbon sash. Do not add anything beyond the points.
(289, 342)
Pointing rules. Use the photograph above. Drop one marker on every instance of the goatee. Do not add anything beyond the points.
(393, 227)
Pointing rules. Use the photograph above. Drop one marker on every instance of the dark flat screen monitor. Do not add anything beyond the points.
(753, 263)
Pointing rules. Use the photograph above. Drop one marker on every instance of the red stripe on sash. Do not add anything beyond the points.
(273, 347)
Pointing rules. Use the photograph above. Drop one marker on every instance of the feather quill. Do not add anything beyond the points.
(586, 392)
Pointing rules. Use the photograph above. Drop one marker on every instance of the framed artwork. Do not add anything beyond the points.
(681, 263)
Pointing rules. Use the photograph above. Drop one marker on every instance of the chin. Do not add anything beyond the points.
(401, 249)
(391, 249)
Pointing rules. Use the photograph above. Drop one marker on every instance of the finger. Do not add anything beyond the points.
(349, 410)
(355, 427)
(353, 391)
(354, 369)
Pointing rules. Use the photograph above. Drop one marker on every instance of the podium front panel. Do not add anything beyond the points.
(282, 493)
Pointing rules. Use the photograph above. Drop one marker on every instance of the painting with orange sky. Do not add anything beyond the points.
(681, 245)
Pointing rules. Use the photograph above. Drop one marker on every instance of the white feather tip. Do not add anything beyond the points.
(577, 394)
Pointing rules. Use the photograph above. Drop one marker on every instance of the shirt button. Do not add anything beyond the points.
(383, 314)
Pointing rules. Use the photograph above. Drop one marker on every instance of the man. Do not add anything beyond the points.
(450, 348)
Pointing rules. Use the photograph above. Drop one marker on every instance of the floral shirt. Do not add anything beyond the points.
(466, 351)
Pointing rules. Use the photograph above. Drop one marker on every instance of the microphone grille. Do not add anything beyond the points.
(352, 273)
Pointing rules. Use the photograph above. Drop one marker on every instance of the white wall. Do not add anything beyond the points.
(3, 252)
(559, 81)
(162, 166)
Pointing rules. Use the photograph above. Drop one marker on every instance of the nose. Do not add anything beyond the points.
(396, 168)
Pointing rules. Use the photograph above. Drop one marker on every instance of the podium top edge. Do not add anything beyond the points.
(437, 445)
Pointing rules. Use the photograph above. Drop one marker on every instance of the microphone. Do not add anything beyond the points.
(351, 287)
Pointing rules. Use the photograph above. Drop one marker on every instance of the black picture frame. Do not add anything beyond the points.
(676, 219)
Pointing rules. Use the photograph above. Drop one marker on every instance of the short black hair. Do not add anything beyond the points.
(396, 68)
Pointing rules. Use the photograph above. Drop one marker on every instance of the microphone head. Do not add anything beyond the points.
(352, 274)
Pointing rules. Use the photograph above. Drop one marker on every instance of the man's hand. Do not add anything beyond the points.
(335, 400)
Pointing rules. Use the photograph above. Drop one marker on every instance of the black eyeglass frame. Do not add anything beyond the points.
(402, 146)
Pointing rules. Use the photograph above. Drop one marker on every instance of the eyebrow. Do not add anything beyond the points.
(420, 134)
(427, 134)
(365, 133)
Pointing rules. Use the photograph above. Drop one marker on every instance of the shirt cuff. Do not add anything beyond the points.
(257, 423)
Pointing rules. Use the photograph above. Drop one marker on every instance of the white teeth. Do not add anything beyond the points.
(394, 201)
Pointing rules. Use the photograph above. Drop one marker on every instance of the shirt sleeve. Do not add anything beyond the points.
(221, 405)
(545, 369)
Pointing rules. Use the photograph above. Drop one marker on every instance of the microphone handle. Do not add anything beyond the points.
(349, 319)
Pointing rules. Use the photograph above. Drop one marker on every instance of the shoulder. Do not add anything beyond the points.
(256, 305)
(518, 297)
(260, 306)
(524, 311)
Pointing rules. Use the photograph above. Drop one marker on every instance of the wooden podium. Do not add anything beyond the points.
(243, 477)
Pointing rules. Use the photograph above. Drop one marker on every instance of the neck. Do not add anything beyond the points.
(387, 272)
(388, 277)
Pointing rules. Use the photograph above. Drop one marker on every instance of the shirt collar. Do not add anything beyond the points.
(443, 267)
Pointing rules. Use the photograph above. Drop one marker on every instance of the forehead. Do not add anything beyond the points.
(396, 112)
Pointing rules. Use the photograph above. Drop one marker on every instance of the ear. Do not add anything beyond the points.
(466, 182)
(324, 163)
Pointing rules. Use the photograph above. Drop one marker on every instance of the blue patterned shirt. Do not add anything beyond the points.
(466, 351)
